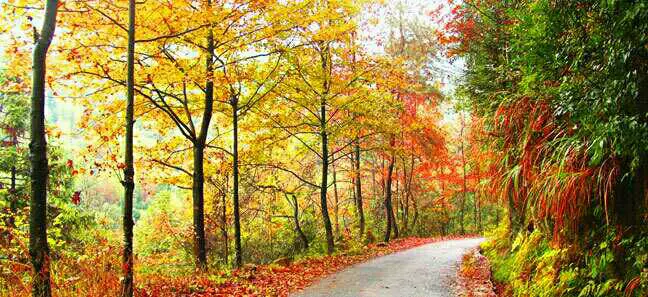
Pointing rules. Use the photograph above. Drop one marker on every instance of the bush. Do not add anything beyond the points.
(533, 266)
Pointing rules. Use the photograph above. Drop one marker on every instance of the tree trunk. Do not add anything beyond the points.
(397, 198)
(12, 188)
(129, 171)
(389, 212)
(463, 192)
(200, 249)
(393, 213)
(235, 196)
(300, 232)
(224, 227)
(200, 244)
(374, 182)
(478, 202)
(323, 188)
(382, 176)
(632, 197)
(325, 59)
(336, 198)
(410, 196)
(38, 247)
(13, 204)
(13, 207)
(416, 214)
(358, 188)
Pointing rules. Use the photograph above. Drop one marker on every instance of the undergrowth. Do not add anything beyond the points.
(606, 264)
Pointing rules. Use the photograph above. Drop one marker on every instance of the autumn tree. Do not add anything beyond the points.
(409, 43)
(317, 94)
(38, 246)
(248, 84)
(170, 79)
(129, 171)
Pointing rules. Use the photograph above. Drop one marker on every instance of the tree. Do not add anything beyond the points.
(38, 246)
(389, 210)
(129, 171)
(14, 116)
(358, 186)
(462, 149)
(320, 97)
(245, 91)
(178, 93)
(574, 97)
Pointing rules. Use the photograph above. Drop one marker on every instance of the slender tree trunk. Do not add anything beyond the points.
(330, 244)
(38, 247)
(129, 171)
(224, 227)
(200, 249)
(382, 176)
(394, 212)
(478, 212)
(12, 188)
(416, 214)
(463, 192)
(200, 243)
(336, 198)
(397, 198)
(388, 201)
(300, 232)
(358, 188)
(374, 182)
(13, 204)
(410, 194)
(324, 186)
(235, 196)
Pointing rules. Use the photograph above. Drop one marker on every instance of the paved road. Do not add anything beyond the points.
(425, 271)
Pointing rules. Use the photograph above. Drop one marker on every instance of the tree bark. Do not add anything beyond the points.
(463, 192)
(388, 200)
(323, 188)
(410, 195)
(325, 59)
(478, 211)
(38, 247)
(358, 188)
(224, 227)
(300, 232)
(12, 188)
(235, 173)
(374, 182)
(416, 214)
(200, 243)
(129, 170)
(397, 198)
(336, 199)
(13, 205)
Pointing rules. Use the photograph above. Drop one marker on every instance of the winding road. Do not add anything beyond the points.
(425, 271)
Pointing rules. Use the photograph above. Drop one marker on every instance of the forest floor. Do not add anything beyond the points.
(440, 255)
(474, 276)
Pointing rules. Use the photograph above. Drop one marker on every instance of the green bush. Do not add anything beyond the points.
(605, 265)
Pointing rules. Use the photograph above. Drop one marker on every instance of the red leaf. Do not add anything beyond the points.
(76, 198)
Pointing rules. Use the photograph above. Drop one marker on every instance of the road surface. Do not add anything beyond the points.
(425, 271)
